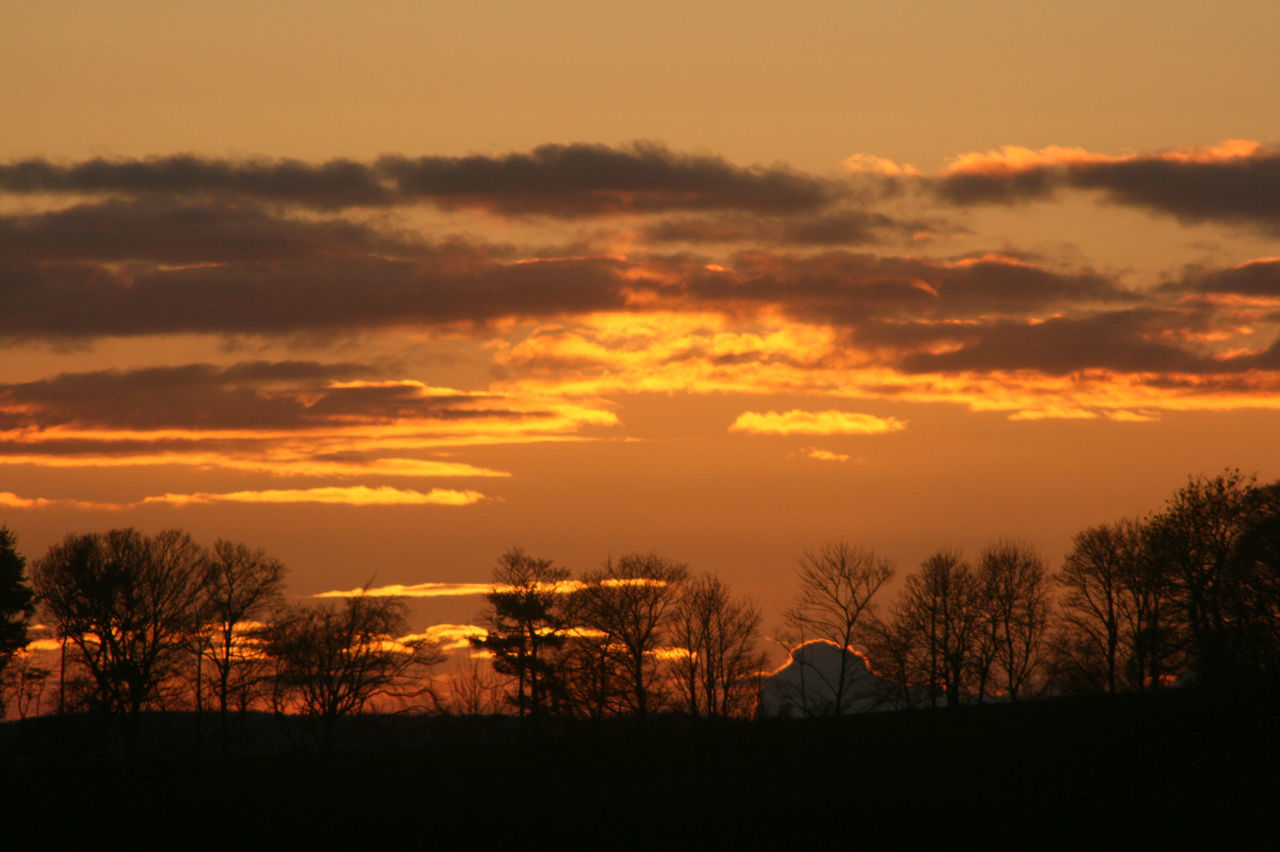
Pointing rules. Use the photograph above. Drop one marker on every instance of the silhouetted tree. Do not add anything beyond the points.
(16, 607)
(128, 604)
(935, 627)
(474, 688)
(332, 661)
(1197, 538)
(1105, 609)
(893, 647)
(1015, 607)
(26, 682)
(1258, 550)
(241, 589)
(718, 635)
(838, 583)
(594, 675)
(1216, 540)
(526, 628)
(628, 605)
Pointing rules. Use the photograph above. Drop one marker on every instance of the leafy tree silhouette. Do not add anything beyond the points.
(16, 603)
(526, 629)
(129, 604)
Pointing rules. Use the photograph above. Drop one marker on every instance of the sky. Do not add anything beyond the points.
(388, 288)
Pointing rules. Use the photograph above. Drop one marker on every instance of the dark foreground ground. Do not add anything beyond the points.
(1176, 771)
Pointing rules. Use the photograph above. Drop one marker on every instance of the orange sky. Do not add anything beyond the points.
(388, 288)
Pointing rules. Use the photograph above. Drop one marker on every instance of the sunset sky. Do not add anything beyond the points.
(387, 288)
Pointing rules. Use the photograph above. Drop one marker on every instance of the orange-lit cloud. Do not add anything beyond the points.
(825, 455)
(449, 637)
(415, 590)
(14, 501)
(657, 273)
(357, 495)
(1123, 416)
(1013, 158)
(798, 422)
(873, 164)
(449, 590)
(1235, 181)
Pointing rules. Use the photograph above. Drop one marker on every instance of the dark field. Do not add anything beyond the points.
(1176, 770)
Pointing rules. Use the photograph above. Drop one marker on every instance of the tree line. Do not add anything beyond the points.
(1188, 593)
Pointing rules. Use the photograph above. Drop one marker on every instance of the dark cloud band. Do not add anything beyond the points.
(556, 180)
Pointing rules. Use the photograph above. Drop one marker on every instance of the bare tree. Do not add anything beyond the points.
(935, 627)
(718, 638)
(1015, 591)
(332, 661)
(838, 584)
(526, 628)
(629, 603)
(128, 604)
(240, 591)
(26, 682)
(474, 688)
(1102, 605)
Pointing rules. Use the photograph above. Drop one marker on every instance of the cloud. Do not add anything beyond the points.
(1123, 416)
(1119, 340)
(450, 637)
(825, 455)
(450, 590)
(12, 501)
(298, 294)
(415, 590)
(1055, 412)
(720, 278)
(259, 399)
(167, 231)
(857, 290)
(1259, 278)
(358, 495)
(833, 228)
(555, 180)
(9, 500)
(815, 423)
(1236, 181)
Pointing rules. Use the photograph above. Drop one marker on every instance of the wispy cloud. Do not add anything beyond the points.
(414, 590)
(449, 637)
(798, 422)
(357, 495)
(449, 590)
(825, 455)
(10, 500)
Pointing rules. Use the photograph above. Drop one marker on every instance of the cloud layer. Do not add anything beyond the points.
(576, 273)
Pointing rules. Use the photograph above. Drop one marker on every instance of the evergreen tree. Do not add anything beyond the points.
(16, 602)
